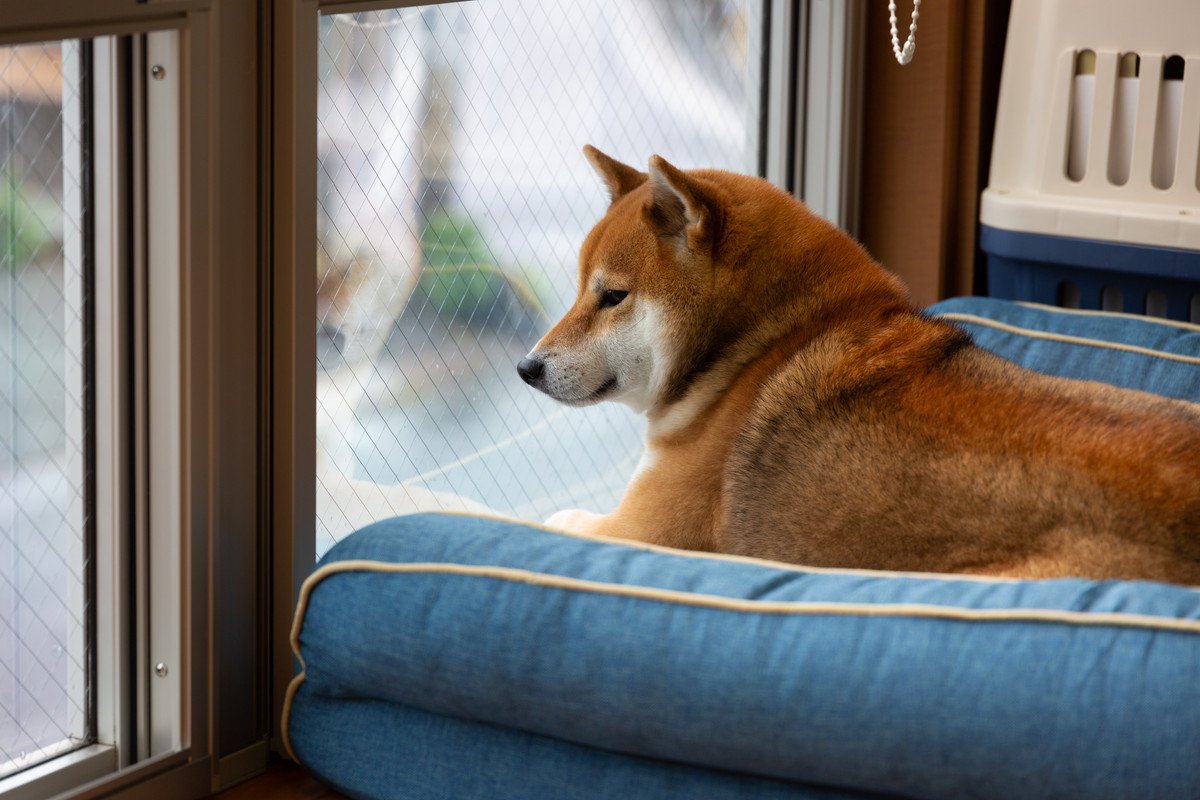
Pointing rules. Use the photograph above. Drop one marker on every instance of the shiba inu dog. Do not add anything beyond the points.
(800, 409)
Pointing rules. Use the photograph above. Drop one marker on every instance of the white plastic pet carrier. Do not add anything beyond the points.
(1094, 191)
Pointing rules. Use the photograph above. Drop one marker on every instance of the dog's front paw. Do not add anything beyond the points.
(574, 520)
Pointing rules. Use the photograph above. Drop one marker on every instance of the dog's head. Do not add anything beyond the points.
(662, 283)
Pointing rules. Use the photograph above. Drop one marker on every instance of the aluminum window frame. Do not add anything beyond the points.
(91, 759)
(827, 173)
(158, 465)
(123, 625)
(783, 67)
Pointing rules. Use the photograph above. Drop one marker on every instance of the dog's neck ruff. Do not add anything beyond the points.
(706, 389)
(782, 338)
(703, 393)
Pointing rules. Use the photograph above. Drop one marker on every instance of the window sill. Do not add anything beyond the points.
(60, 774)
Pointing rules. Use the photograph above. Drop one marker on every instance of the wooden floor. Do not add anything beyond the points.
(283, 780)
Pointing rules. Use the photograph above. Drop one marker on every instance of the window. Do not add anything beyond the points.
(46, 424)
(452, 199)
(92, 531)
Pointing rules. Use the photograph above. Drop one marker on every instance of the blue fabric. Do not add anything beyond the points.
(372, 749)
(1131, 370)
(430, 684)
(919, 706)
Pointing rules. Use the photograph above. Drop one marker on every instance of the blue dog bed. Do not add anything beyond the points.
(464, 657)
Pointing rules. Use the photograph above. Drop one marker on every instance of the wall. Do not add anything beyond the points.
(926, 141)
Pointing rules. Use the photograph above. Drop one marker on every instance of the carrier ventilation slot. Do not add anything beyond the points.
(1156, 304)
(1166, 125)
(1125, 101)
(1083, 95)
(1111, 299)
(1194, 311)
(1068, 295)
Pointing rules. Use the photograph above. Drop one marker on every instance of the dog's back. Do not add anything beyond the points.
(904, 446)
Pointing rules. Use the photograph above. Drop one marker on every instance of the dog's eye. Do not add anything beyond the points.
(612, 297)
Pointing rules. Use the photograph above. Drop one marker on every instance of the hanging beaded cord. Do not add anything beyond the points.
(910, 45)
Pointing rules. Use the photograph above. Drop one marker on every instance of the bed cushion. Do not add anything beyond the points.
(1161, 356)
(540, 657)
(926, 687)
(376, 749)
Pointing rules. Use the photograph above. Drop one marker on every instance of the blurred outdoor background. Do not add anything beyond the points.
(453, 198)
(42, 411)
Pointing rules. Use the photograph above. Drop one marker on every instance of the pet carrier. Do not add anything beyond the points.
(1094, 192)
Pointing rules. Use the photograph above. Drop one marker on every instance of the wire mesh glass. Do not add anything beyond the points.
(453, 198)
(43, 553)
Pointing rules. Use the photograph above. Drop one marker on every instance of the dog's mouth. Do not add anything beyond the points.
(604, 389)
(596, 396)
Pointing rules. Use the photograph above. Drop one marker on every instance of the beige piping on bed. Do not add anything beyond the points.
(1062, 337)
(293, 687)
(1087, 312)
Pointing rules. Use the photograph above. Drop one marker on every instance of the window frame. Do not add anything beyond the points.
(91, 760)
(828, 170)
(180, 528)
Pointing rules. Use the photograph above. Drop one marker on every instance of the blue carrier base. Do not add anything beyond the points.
(1077, 273)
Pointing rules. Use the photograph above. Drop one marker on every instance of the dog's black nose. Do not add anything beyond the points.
(530, 369)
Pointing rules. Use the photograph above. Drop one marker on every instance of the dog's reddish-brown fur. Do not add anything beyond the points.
(810, 414)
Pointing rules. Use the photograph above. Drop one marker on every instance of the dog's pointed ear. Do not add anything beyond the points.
(679, 205)
(620, 179)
